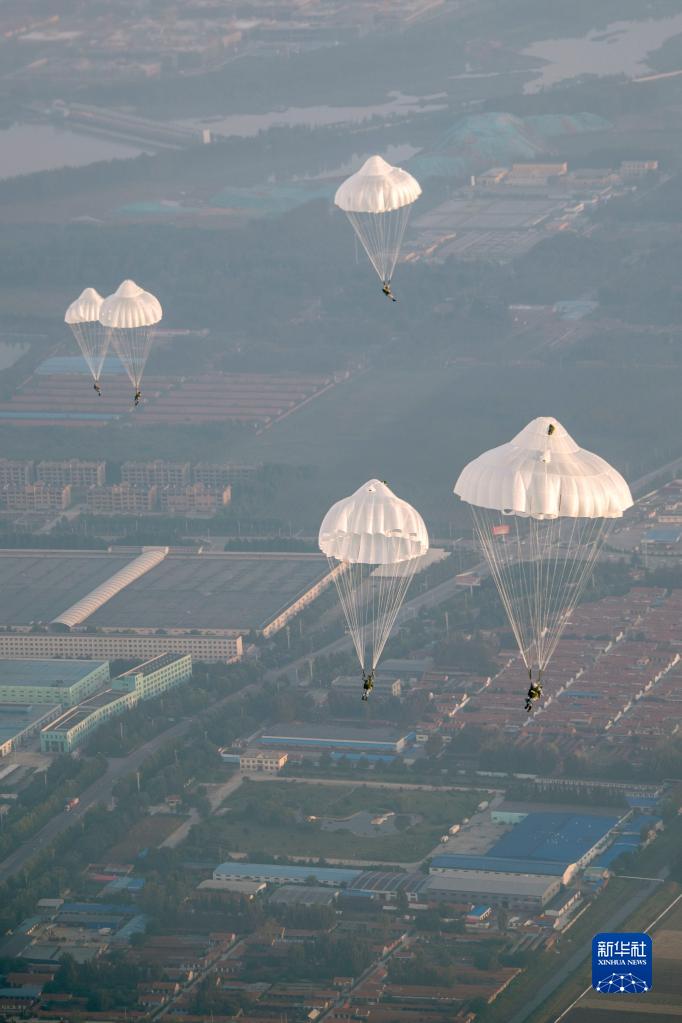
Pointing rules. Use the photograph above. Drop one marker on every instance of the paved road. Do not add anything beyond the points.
(566, 969)
(101, 790)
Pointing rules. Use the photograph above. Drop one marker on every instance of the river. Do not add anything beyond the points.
(621, 48)
(25, 148)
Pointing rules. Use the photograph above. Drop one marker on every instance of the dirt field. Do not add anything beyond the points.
(146, 834)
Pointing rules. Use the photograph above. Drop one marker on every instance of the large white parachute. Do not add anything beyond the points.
(377, 200)
(91, 336)
(130, 315)
(373, 541)
(542, 507)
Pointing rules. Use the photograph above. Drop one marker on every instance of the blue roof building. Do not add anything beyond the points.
(555, 837)
(278, 873)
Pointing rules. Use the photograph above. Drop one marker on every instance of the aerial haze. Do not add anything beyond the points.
(257, 768)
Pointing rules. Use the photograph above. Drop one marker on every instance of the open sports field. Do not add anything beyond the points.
(275, 819)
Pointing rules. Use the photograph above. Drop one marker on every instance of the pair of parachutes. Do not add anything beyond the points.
(125, 321)
(541, 506)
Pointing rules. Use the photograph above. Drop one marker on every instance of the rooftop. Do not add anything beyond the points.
(303, 895)
(16, 717)
(327, 733)
(149, 667)
(223, 591)
(499, 865)
(556, 837)
(473, 882)
(75, 715)
(45, 672)
(331, 875)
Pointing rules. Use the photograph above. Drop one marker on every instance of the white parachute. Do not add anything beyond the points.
(542, 507)
(373, 541)
(130, 315)
(377, 200)
(91, 336)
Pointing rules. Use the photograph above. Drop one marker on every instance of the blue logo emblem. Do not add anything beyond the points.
(622, 964)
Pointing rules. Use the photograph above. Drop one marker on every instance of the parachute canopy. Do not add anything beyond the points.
(92, 338)
(85, 309)
(542, 507)
(544, 474)
(373, 541)
(130, 307)
(377, 200)
(130, 315)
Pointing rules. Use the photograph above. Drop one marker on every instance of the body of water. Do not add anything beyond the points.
(25, 148)
(247, 125)
(621, 48)
(10, 352)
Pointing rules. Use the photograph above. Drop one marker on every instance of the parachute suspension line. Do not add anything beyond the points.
(349, 584)
(371, 597)
(540, 572)
(381, 236)
(393, 584)
(93, 340)
(132, 345)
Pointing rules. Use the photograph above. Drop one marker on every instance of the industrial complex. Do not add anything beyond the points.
(65, 702)
(150, 601)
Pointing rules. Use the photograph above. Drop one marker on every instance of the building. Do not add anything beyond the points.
(275, 873)
(145, 682)
(51, 681)
(155, 677)
(338, 737)
(570, 838)
(246, 889)
(75, 726)
(218, 477)
(73, 473)
(207, 600)
(638, 168)
(19, 722)
(196, 499)
(157, 473)
(121, 499)
(271, 761)
(124, 645)
(498, 866)
(385, 886)
(16, 474)
(35, 497)
(384, 685)
(304, 895)
(525, 892)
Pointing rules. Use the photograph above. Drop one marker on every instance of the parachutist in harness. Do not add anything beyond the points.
(138, 395)
(367, 684)
(386, 288)
(534, 693)
(97, 388)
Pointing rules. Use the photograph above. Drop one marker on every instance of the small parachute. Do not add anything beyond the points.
(542, 508)
(377, 200)
(373, 541)
(130, 315)
(91, 336)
